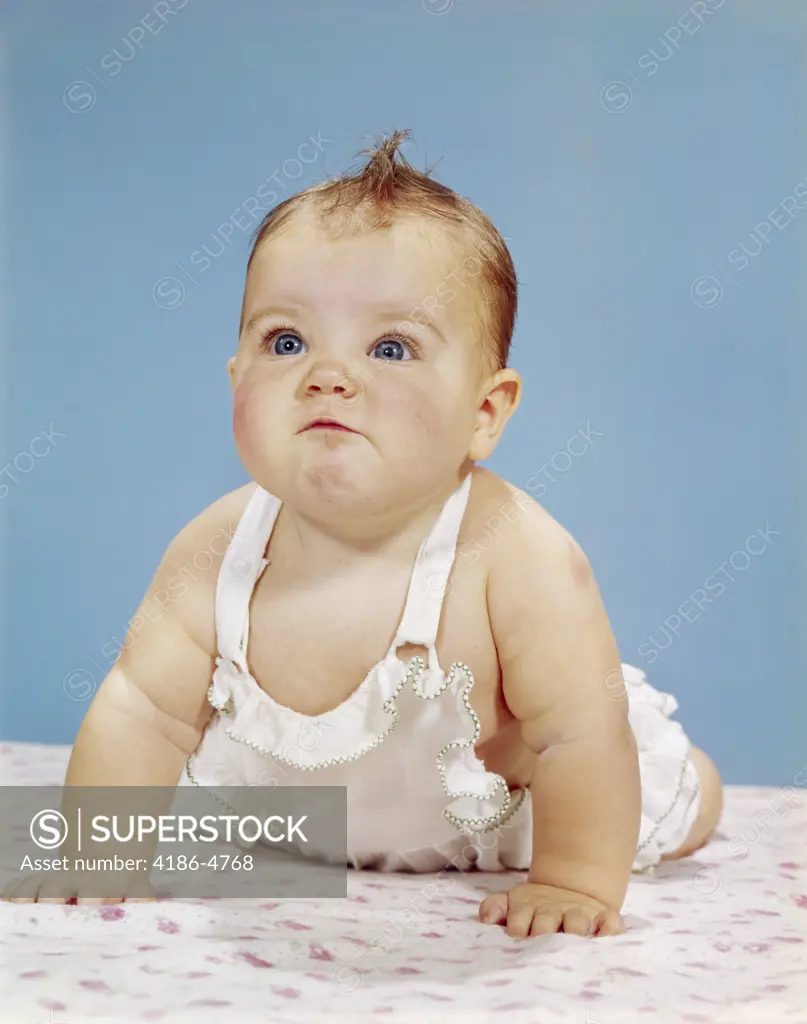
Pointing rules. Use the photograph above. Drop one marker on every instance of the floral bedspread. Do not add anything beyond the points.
(718, 937)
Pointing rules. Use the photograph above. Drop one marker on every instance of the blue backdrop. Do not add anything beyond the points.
(647, 164)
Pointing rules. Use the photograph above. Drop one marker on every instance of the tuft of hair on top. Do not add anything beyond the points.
(387, 186)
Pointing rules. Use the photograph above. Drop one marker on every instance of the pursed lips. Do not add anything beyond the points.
(327, 425)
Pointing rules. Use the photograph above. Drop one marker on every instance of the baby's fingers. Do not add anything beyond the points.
(541, 920)
(23, 888)
(608, 922)
(116, 890)
(493, 908)
(36, 887)
(56, 889)
(579, 921)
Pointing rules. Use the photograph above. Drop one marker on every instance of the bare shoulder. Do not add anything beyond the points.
(223, 513)
(536, 571)
(552, 633)
(164, 670)
(190, 568)
(510, 530)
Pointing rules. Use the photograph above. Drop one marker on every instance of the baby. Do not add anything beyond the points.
(356, 632)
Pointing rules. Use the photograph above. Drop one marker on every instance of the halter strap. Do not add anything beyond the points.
(427, 588)
(243, 563)
(241, 566)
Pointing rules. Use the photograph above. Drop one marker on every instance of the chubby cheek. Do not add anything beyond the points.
(245, 415)
(420, 414)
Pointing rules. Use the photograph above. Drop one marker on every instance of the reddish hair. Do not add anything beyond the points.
(388, 186)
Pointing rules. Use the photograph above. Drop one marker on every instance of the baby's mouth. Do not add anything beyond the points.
(325, 424)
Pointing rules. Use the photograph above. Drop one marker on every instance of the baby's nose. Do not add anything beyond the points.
(347, 387)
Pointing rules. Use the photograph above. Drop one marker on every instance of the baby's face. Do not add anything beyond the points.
(337, 328)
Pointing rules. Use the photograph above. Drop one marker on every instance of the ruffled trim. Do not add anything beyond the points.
(670, 782)
(666, 833)
(211, 789)
(318, 741)
(479, 800)
(639, 691)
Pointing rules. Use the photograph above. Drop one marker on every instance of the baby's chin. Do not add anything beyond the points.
(339, 486)
(353, 486)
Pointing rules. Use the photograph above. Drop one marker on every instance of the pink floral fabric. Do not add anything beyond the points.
(718, 937)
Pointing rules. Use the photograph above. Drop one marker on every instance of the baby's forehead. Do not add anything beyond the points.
(415, 261)
(310, 232)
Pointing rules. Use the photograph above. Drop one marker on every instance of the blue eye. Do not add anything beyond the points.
(281, 341)
(285, 339)
(392, 347)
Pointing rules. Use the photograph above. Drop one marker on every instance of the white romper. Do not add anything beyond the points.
(418, 797)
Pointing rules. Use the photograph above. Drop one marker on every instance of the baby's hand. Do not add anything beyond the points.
(51, 887)
(532, 909)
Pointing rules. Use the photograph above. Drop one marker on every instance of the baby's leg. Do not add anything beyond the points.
(710, 809)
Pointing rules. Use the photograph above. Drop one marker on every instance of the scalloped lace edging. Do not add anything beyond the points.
(285, 726)
(472, 789)
(479, 800)
(666, 835)
(194, 781)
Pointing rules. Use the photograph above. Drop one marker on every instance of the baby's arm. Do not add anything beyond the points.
(150, 711)
(561, 674)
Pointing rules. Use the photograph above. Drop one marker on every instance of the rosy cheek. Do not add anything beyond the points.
(241, 411)
(420, 412)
